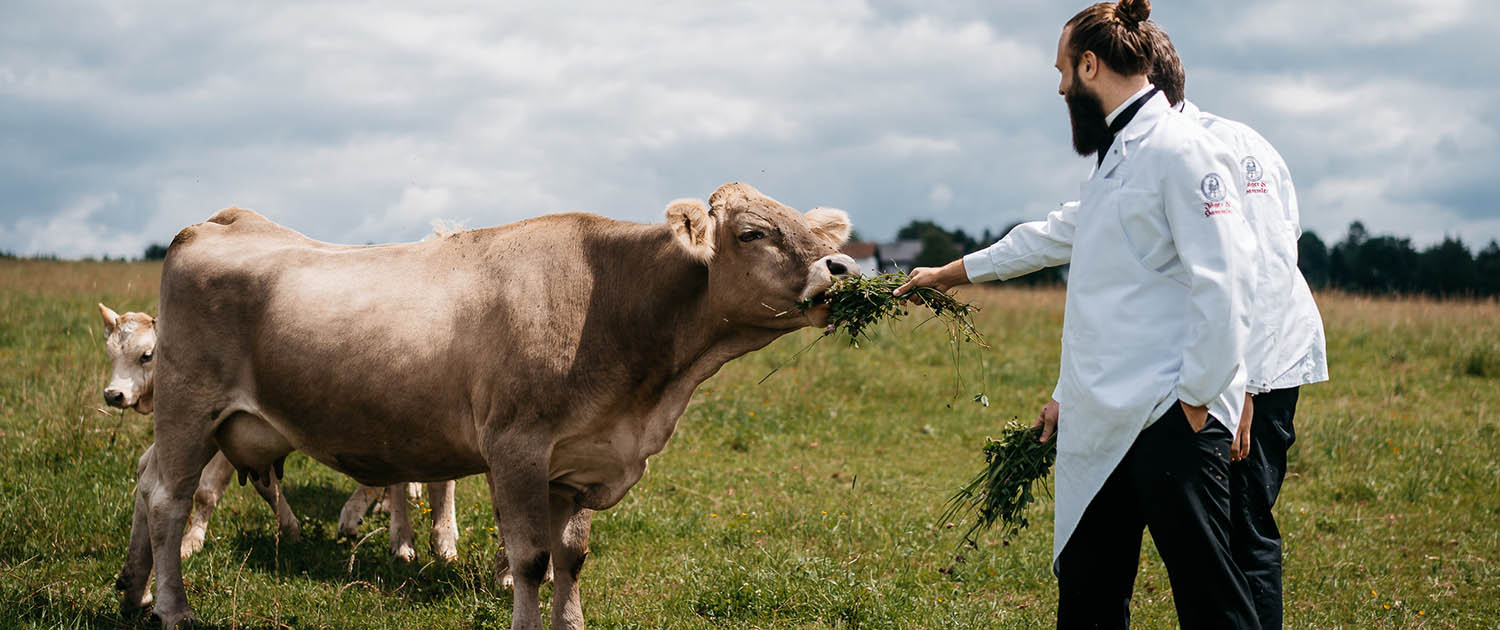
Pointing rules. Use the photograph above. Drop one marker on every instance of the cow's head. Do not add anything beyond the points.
(763, 257)
(130, 341)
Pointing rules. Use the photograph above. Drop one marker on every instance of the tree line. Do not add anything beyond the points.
(1360, 263)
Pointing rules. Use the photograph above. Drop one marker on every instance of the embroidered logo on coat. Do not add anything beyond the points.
(1212, 187)
(1252, 169)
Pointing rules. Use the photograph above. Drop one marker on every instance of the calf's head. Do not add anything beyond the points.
(763, 257)
(130, 341)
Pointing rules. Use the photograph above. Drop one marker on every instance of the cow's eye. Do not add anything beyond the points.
(146, 358)
(752, 235)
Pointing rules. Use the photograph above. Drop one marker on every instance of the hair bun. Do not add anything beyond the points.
(1133, 12)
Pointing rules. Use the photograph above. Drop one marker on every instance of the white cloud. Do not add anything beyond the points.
(355, 121)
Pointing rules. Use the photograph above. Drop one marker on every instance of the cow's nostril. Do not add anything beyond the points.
(114, 397)
(836, 268)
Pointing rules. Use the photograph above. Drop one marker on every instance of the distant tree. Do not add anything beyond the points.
(1381, 264)
(1357, 234)
(1487, 270)
(965, 242)
(854, 236)
(1447, 269)
(915, 230)
(1312, 259)
(156, 251)
(938, 249)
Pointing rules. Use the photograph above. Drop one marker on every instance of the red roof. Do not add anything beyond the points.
(859, 249)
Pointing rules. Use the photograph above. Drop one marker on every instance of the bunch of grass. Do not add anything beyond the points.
(856, 303)
(1004, 491)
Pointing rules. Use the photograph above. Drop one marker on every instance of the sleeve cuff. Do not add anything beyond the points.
(978, 268)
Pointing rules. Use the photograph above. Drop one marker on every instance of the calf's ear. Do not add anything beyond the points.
(111, 319)
(693, 227)
(830, 223)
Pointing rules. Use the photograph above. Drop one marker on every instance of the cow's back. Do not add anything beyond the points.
(403, 336)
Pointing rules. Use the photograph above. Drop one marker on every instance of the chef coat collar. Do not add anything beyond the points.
(1144, 120)
(1188, 109)
(1122, 116)
(1110, 119)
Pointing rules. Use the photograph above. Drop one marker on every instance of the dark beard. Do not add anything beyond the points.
(1086, 113)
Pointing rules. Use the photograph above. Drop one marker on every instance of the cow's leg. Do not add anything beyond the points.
(211, 485)
(401, 534)
(170, 481)
(355, 508)
(444, 537)
(518, 491)
(570, 547)
(135, 576)
(270, 489)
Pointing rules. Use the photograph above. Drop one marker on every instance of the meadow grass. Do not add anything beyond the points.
(808, 501)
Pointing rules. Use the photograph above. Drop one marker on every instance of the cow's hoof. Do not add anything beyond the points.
(192, 542)
(446, 553)
(349, 528)
(404, 553)
(292, 535)
(131, 608)
(181, 621)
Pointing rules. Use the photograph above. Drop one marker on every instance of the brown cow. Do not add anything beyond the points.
(555, 355)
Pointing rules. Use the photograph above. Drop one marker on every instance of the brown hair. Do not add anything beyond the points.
(1166, 68)
(1113, 31)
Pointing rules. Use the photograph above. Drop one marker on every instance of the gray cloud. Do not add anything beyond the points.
(355, 122)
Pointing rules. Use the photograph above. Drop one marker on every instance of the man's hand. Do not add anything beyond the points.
(940, 278)
(1047, 420)
(1241, 447)
(1197, 416)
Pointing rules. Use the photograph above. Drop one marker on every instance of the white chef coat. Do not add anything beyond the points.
(1158, 297)
(1287, 347)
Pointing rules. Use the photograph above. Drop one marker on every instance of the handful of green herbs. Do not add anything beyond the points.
(857, 302)
(1004, 490)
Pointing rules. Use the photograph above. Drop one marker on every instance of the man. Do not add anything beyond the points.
(1286, 347)
(1152, 379)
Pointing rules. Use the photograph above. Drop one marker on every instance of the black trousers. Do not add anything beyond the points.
(1176, 482)
(1254, 484)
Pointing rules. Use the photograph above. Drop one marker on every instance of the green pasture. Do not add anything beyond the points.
(808, 501)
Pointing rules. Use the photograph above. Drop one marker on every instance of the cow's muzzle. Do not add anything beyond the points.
(825, 272)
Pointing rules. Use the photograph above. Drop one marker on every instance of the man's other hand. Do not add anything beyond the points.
(1197, 416)
(1047, 420)
(1241, 447)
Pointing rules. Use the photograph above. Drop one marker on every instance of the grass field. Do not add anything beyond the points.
(809, 501)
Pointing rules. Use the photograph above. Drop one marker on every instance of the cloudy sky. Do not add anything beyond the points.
(358, 122)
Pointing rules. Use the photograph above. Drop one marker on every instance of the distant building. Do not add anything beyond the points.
(866, 254)
(898, 255)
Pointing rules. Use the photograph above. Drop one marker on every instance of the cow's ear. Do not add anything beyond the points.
(111, 319)
(693, 227)
(830, 223)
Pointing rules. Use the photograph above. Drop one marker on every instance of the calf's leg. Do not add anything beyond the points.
(355, 508)
(211, 485)
(135, 576)
(444, 536)
(401, 533)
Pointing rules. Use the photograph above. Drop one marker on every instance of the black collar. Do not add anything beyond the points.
(1123, 119)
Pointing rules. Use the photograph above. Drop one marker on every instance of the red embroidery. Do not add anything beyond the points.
(1212, 208)
(1253, 188)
